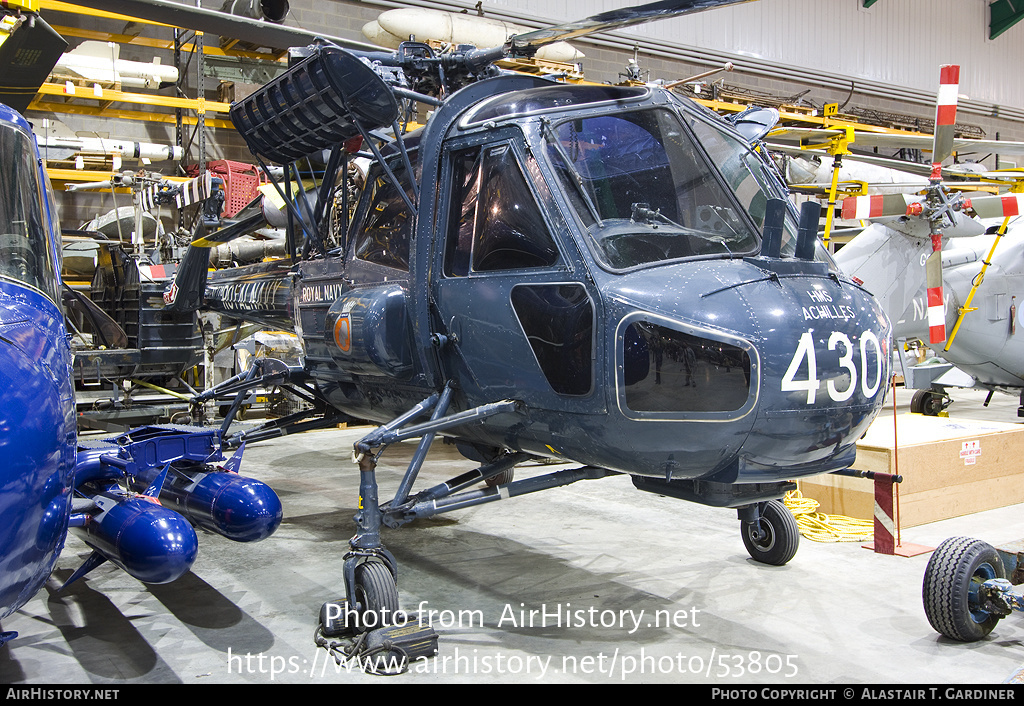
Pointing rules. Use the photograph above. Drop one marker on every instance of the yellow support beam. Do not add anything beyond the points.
(115, 114)
(87, 175)
(166, 44)
(967, 308)
(152, 99)
(1016, 188)
(57, 6)
(788, 117)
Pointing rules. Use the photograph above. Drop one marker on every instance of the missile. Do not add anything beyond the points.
(99, 62)
(145, 151)
(394, 26)
(148, 530)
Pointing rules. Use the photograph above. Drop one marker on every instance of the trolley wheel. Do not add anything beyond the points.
(377, 594)
(780, 536)
(952, 579)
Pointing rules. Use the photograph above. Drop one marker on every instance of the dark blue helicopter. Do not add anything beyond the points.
(135, 499)
(608, 275)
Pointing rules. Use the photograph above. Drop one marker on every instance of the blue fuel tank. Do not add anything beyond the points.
(233, 506)
(152, 543)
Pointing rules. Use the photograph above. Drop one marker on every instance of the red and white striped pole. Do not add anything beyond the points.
(885, 519)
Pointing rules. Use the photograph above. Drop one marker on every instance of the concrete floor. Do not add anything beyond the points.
(599, 551)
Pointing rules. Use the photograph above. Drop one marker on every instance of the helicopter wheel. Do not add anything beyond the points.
(952, 579)
(927, 403)
(377, 594)
(780, 536)
(503, 478)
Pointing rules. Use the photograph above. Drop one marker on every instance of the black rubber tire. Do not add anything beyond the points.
(503, 478)
(927, 403)
(955, 570)
(377, 593)
(782, 535)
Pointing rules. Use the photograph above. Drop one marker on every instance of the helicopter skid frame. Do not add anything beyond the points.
(270, 372)
(371, 596)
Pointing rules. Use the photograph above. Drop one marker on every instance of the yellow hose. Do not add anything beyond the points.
(819, 527)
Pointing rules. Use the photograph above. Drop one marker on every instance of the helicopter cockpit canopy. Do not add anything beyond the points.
(644, 189)
(26, 253)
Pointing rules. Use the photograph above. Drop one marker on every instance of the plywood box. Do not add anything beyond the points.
(950, 467)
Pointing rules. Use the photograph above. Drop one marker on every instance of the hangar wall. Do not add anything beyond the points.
(897, 42)
(884, 58)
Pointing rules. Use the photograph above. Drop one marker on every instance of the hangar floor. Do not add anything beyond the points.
(621, 562)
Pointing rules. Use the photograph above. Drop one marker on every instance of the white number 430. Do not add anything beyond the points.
(841, 342)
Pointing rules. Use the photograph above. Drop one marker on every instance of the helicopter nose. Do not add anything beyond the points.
(825, 362)
(784, 370)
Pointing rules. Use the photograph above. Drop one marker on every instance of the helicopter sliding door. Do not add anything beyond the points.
(511, 293)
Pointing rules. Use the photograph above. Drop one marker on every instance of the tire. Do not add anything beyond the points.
(927, 403)
(377, 593)
(503, 478)
(782, 536)
(955, 571)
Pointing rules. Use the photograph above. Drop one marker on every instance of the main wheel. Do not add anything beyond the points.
(503, 478)
(377, 594)
(952, 580)
(780, 536)
(927, 403)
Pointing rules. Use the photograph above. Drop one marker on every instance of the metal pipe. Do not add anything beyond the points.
(421, 450)
(523, 487)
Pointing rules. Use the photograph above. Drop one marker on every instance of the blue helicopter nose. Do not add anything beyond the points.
(774, 372)
(35, 477)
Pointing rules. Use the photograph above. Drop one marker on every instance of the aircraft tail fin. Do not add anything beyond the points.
(234, 463)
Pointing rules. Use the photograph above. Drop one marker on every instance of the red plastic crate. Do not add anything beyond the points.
(241, 183)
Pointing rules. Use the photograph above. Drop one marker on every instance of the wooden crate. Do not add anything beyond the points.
(950, 467)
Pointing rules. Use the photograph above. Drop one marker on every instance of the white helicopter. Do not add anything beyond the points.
(946, 265)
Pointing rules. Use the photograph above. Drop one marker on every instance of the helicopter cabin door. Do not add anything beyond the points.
(512, 293)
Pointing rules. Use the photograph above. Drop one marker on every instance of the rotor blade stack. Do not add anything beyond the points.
(945, 122)
(937, 207)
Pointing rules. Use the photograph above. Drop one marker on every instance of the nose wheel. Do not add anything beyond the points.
(769, 532)
(929, 403)
(376, 594)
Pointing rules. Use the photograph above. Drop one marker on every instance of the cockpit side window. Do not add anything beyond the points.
(387, 223)
(26, 253)
(494, 221)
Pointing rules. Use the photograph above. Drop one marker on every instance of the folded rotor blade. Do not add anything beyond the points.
(945, 116)
(997, 206)
(936, 305)
(876, 206)
(616, 19)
